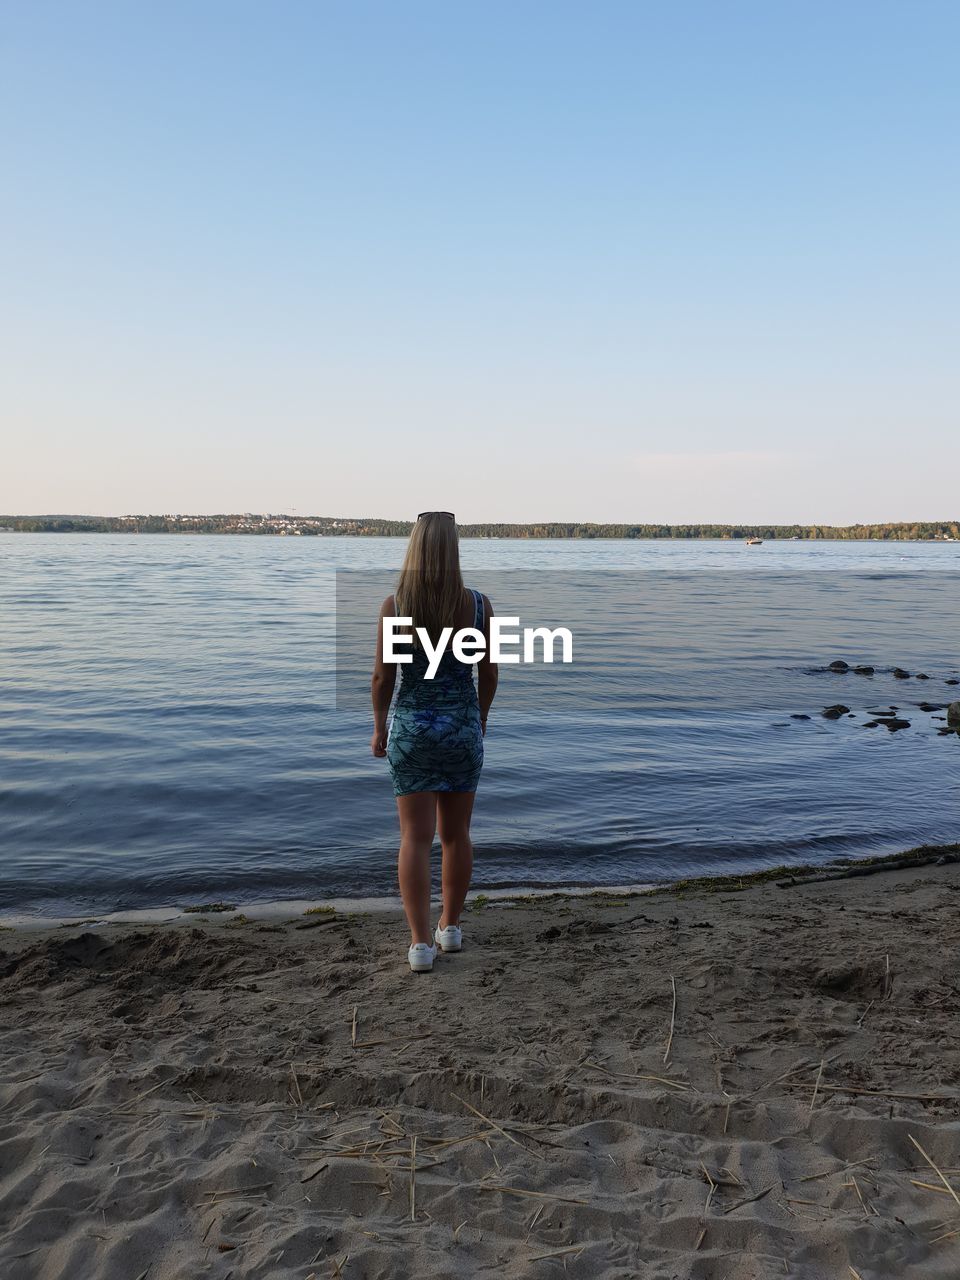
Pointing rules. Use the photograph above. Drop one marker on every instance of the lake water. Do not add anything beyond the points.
(173, 726)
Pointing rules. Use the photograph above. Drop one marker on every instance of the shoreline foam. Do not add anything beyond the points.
(282, 908)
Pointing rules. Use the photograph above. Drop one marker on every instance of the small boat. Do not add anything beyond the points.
(754, 542)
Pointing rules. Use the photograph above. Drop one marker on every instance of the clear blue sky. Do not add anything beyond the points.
(622, 261)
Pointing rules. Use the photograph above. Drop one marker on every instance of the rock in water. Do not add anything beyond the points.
(839, 665)
(863, 671)
(953, 715)
(900, 674)
(835, 712)
(894, 725)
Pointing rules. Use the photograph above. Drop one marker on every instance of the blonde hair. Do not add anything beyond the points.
(430, 587)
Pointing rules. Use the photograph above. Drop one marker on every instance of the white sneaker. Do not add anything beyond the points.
(450, 938)
(421, 956)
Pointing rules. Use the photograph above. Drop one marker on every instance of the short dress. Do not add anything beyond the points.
(435, 741)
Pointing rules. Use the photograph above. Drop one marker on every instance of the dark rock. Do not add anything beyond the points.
(900, 674)
(953, 715)
(953, 733)
(930, 706)
(839, 665)
(921, 676)
(871, 724)
(863, 671)
(835, 712)
(951, 681)
(798, 716)
(894, 725)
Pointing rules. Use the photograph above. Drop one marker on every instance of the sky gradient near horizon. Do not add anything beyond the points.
(609, 261)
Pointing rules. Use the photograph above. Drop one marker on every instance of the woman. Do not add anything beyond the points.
(435, 744)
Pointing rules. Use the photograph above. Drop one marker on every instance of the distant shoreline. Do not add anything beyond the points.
(257, 525)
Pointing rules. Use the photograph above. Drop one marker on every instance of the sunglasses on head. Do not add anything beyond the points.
(436, 513)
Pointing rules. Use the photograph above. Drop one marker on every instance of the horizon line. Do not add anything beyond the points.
(580, 524)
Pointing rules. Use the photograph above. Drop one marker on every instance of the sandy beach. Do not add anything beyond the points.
(708, 1082)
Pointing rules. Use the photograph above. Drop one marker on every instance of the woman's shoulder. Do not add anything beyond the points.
(389, 607)
(484, 600)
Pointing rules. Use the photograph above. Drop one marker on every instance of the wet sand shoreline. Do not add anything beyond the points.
(272, 910)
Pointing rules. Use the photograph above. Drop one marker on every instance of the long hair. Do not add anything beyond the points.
(430, 587)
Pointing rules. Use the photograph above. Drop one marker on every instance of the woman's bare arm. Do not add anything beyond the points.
(382, 684)
(488, 673)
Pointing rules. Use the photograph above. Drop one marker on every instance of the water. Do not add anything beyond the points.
(168, 728)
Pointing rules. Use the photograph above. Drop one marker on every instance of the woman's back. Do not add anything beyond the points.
(452, 677)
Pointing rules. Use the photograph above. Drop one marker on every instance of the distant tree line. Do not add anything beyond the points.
(330, 526)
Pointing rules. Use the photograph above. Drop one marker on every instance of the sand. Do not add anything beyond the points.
(727, 1085)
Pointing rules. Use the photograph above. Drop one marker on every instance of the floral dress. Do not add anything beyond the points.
(435, 741)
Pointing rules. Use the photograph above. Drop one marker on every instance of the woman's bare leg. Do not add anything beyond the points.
(454, 809)
(418, 825)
